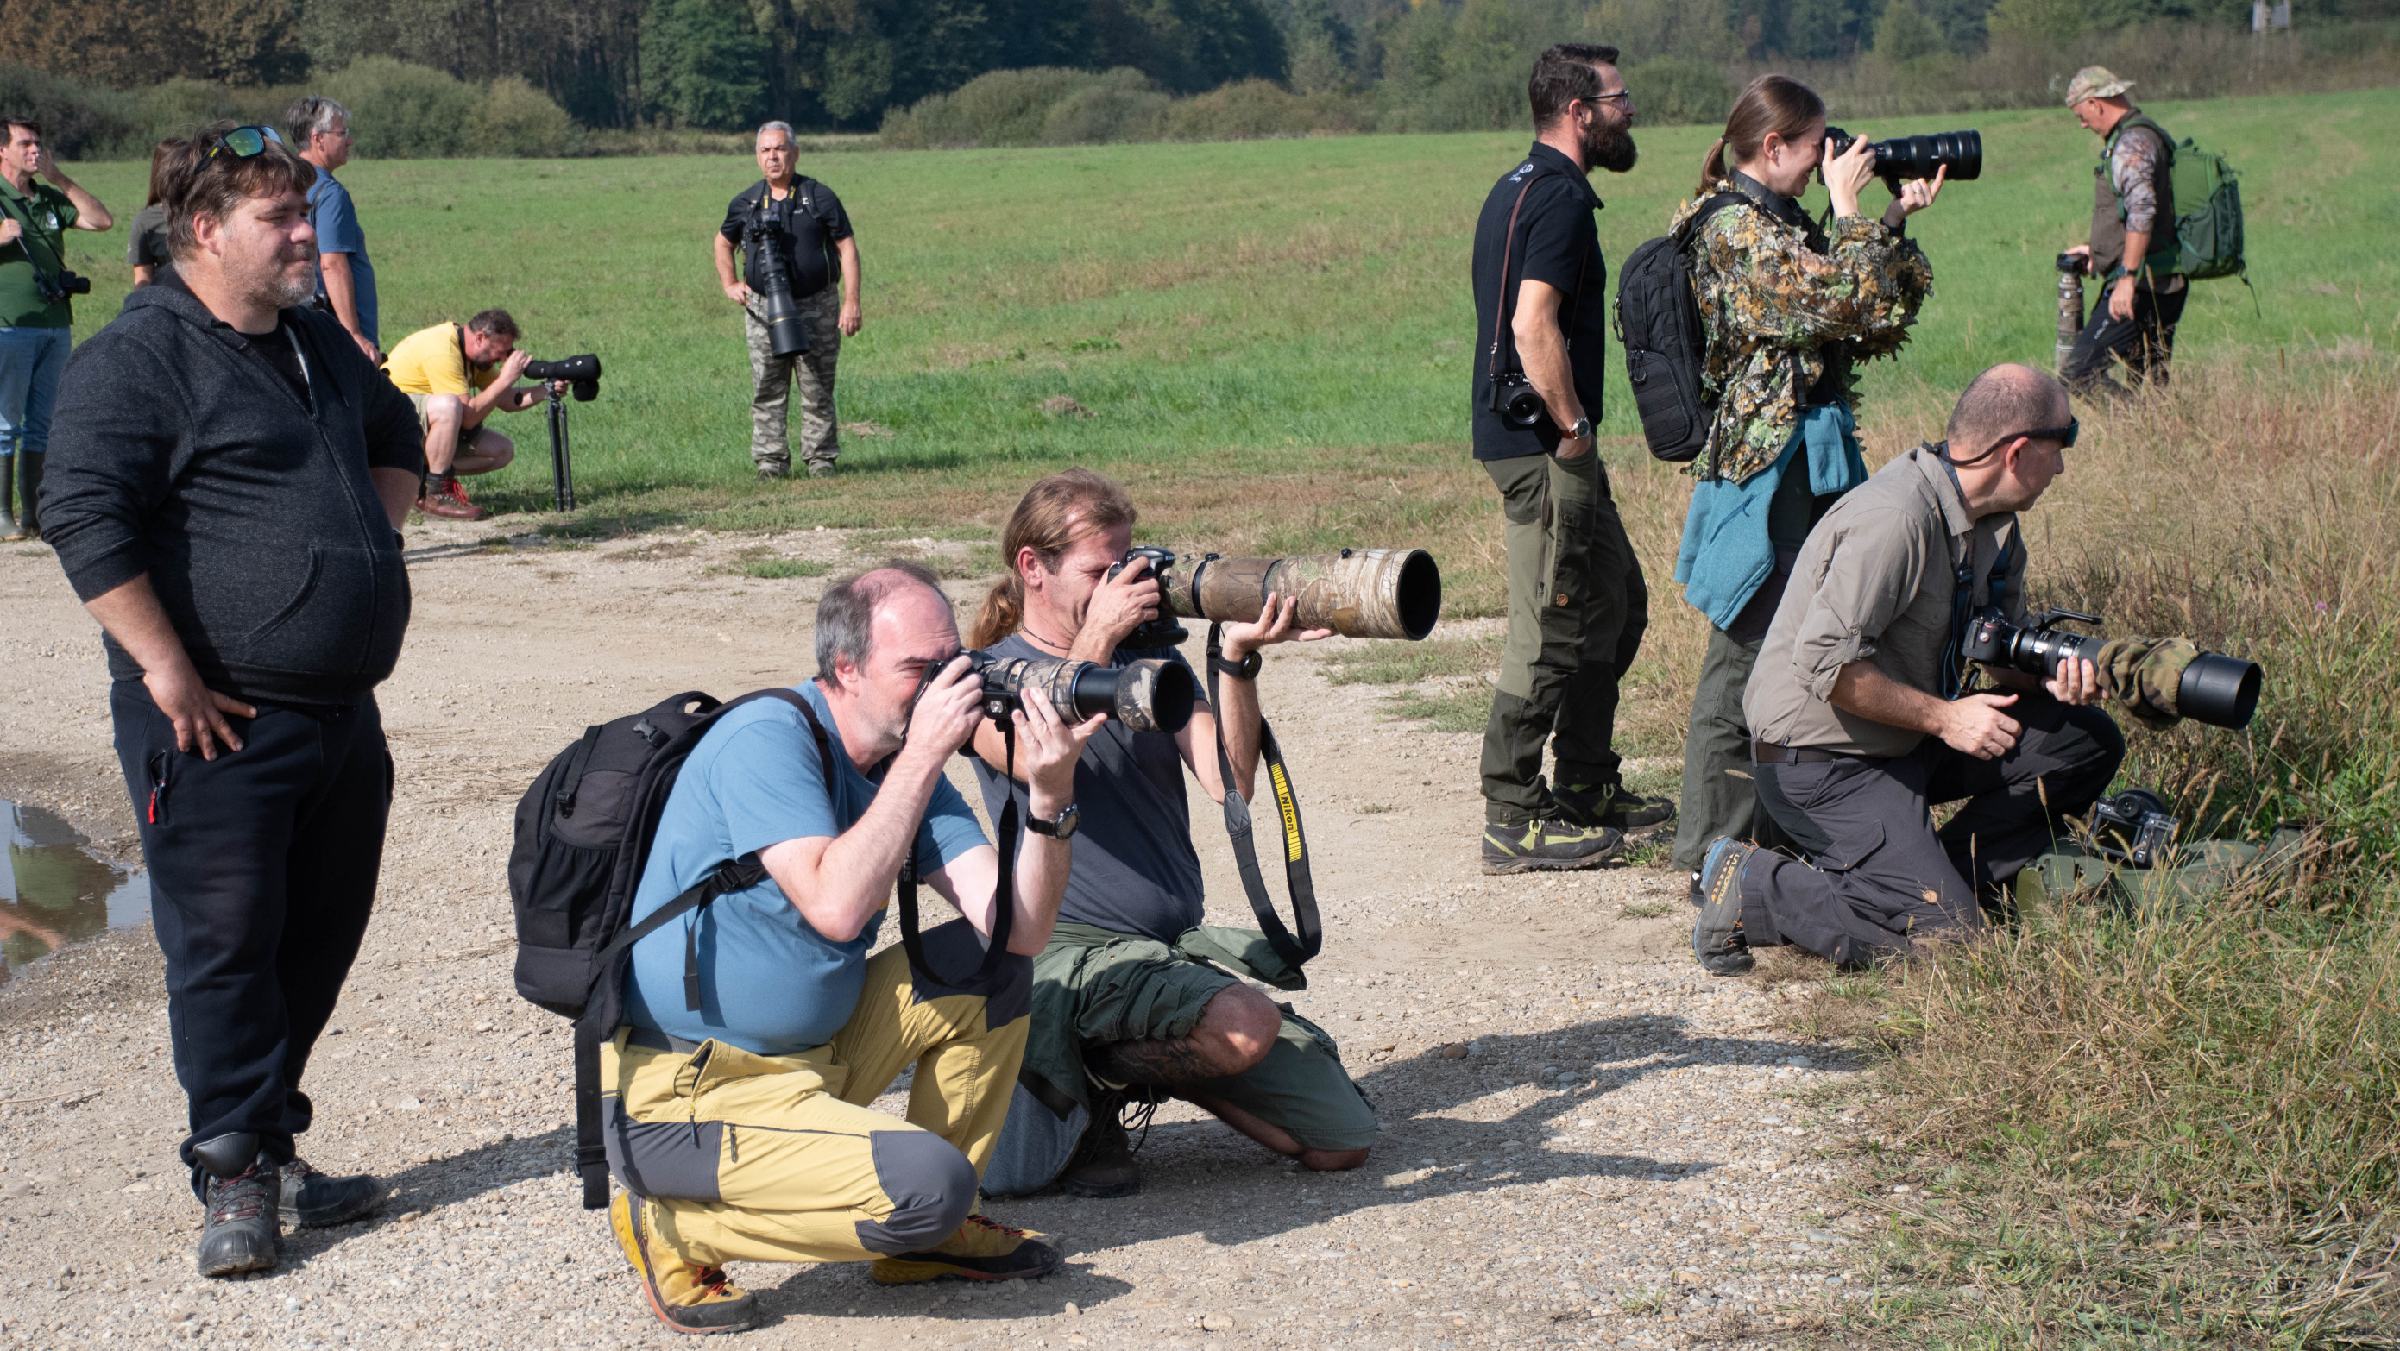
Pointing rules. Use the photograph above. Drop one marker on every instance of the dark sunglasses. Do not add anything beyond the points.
(2064, 436)
(245, 142)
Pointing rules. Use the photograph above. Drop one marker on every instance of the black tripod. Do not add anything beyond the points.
(562, 460)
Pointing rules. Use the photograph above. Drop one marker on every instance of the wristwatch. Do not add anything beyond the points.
(1582, 429)
(1059, 827)
(1245, 669)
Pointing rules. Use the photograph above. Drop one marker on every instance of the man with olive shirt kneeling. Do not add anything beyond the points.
(1863, 719)
(736, 1106)
(1133, 991)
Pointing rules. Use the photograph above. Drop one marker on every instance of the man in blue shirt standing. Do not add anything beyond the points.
(758, 1029)
(320, 132)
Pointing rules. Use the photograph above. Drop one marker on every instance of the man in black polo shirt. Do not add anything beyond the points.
(1576, 602)
(817, 240)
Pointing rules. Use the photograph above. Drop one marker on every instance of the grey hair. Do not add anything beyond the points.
(310, 114)
(2006, 400)
(846, 614)
(790, 137)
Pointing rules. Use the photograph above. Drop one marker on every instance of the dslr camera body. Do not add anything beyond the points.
(65, 286)
(2133, 828)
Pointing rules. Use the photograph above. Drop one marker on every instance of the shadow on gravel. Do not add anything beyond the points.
(845, 1290)
(1199, 1177)
(436, 1183)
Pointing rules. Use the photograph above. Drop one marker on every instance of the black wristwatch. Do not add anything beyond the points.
(1059, 827)
(1245, 669)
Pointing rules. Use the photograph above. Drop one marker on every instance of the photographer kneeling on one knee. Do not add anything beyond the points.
(458, 375)
(1863, 718)
(1132, 1000)
(758, 1029)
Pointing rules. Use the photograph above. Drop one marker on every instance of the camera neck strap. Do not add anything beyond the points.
(1004, 888)
(1295, 949)
(1504, 308)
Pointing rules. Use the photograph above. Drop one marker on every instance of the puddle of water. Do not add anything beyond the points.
(54, 892)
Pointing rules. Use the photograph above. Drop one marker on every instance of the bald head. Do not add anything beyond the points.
(2004, 401)
(846, 627)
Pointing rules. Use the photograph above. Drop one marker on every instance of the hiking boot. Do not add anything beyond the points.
(1611, 805)
(240, 1234)
(820, 469)
(314, 1200)
(1547, 846)
(981, 1250)
(1717, 931)
(447, 498)
(1103, 1164)
(769, 472)
(686, 1296)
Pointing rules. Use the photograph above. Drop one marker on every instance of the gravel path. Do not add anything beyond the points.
(1587, 1141)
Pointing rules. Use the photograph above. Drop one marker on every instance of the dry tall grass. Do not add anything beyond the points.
(2184, 1128)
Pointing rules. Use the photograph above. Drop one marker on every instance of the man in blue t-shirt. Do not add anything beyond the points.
(320, 132)
(1131, 998)
(758, 1029)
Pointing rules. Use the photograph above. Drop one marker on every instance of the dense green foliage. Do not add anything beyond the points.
(1395, 65)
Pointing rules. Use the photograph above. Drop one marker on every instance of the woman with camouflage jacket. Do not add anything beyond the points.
(1788, 308)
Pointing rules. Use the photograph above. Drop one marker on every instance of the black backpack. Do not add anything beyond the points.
(583, 836)
(1658, 328)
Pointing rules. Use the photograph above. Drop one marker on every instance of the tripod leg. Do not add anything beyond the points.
(558, 455)
(566, 458)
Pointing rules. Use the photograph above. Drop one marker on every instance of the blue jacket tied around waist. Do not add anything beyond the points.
(1726, 555)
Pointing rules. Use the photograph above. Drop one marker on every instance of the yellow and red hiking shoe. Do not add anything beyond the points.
(981, 1250)
(686, 1296)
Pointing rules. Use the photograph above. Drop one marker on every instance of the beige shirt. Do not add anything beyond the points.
(1878, 581)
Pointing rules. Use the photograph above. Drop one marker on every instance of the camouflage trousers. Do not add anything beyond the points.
(771, 380)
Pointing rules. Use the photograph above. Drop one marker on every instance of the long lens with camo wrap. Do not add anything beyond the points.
(2157, 680)
(1357, 593)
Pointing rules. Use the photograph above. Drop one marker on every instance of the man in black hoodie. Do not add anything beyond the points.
(228, 474)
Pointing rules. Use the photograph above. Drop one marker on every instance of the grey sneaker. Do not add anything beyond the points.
(314, 1200)
(1547, 846)
(1612, 805)
(1717, 930)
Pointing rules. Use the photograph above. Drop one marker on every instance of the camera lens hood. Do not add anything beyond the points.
(2219, 690)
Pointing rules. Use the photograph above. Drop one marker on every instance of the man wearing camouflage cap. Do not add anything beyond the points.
(2133, 248)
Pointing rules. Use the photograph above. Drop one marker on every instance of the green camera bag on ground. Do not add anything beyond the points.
(2190, 873)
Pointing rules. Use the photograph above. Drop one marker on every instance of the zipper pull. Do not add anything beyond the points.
(152, 814)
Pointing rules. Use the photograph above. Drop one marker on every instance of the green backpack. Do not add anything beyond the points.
(2208, 211)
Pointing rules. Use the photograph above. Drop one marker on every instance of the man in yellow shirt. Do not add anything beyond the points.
(457, 374)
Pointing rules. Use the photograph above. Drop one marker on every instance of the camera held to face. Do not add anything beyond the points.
(1905, 157)
(1357, 593)
(1150, 695)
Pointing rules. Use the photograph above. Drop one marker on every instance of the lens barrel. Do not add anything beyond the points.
(2219, 690)
(1150, 695)
(1357, 593)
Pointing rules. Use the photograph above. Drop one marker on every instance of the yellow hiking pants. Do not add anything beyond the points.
(762, 1158)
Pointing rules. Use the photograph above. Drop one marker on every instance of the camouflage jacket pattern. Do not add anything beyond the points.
(1775, 309)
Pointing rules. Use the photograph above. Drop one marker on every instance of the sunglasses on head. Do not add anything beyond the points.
(244, 142)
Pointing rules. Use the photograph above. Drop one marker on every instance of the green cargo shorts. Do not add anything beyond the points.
(1139, 989)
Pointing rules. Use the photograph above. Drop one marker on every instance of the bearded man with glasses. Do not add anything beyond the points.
(228, 480)
(1863, 716)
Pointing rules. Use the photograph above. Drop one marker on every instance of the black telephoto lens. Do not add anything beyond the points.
(2219, 690)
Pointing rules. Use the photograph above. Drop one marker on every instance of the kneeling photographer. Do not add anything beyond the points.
(1132, 1001)
(757, 1031)
(458, 375)
(1862, 715)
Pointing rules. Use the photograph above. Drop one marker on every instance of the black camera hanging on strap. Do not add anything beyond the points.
(1306, 934)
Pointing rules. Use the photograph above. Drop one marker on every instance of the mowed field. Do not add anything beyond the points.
(1247, 309)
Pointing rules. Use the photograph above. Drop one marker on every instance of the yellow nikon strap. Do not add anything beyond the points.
(1311, 938)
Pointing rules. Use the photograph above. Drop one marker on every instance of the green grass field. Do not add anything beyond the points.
(1254, 307)
(2181, 1129)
